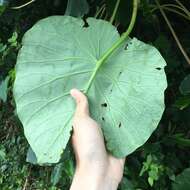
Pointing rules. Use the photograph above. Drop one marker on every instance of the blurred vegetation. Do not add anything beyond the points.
(163, 163)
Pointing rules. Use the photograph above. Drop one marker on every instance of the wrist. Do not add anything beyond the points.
(89, 181)
(93, 180)
(109, 184)
(97, 175)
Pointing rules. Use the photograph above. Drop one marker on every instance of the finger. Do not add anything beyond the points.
(81, 103)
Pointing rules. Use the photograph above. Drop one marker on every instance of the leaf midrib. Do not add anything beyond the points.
(102, 60)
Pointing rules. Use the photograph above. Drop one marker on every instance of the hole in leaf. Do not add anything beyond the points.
(104, 105)
(119, 124)
(158, 68)
(103, 119)
(86, 25)
(72, 131)
(120, 73)
(126, 47)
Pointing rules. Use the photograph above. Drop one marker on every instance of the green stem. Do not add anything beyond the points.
(174, 6)
(102, 13)
(173, 32)
(167, 8)
(99, 11)
(177, 12)
(115, 11)
(24, 5)
(115, 46)
(184, 8)
(167, 5)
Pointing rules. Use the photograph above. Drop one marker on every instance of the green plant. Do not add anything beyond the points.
(185, 14)
(182, 181)
(170, 142)
(95, 59)
(153, 168)
(6, 48)
(184, 101)
(3, 4)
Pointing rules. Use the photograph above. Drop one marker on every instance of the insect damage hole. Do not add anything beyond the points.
(119, 125)
(103, 119)
(158, 68)
(86, 25)
(104, 105)
(126, 47)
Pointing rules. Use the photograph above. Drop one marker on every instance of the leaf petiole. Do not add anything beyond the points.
(115, 46)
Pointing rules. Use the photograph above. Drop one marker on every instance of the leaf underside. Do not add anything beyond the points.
(126, 94)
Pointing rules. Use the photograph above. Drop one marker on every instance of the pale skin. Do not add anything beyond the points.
(95, 168)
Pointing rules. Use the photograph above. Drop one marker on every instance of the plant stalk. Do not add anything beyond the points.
(115, 46)
(124, 35)
(99, 11)
(174, 6)
(173, 32)
(177, 12)
(167, 8)
(184, 8)
(115, 11)
(24, 5)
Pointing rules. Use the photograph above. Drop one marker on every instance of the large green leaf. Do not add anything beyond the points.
(126, 92)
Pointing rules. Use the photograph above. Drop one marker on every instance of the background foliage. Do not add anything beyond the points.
(163, 162)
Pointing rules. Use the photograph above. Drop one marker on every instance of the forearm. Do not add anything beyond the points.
(93, 182)
(110, 185)
(86, 185)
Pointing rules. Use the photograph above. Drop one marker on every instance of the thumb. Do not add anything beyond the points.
(81, 103)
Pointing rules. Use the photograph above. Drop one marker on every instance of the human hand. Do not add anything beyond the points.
(95, 168)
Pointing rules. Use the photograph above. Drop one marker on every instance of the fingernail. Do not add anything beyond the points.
(74, 92)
